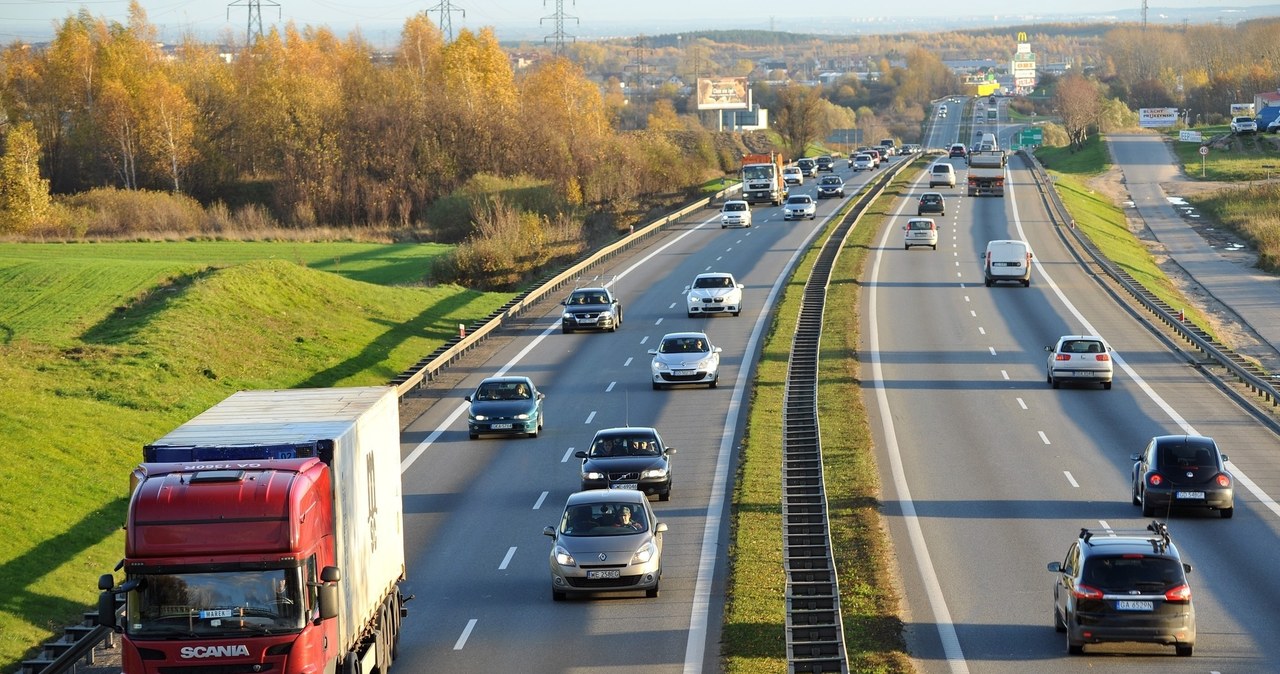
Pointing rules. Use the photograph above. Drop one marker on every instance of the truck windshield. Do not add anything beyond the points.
(215, 604)
(760, 172)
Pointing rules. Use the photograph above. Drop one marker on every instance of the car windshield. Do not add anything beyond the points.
(604, 519)
(930, 198)
(735, 206)
(862, 157)
(624, 445)
(589, 298)
(798, 200)
(684, 345)
(1133, 572)
(713, 282)
(503, 390)
(831, 180)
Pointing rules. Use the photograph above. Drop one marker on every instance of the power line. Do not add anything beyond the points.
(445, 9)
(558, 19)
(254, 27)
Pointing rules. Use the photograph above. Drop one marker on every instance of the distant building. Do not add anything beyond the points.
(755, 119)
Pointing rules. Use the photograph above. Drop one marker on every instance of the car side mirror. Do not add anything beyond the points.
(716, 350)
(662, 528)
(1224, 457)
(107, 608)
(1055, 567)
(541, 395)
(1186, 568)
(549, 531)
(564, 302)
(581, 454)
(1135, 457)
(467, 397)
(741, 286)
(653, 352)
(1049, 349)
(687, 289)
(669, 450)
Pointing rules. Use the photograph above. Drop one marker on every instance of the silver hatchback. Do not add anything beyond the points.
(1079, 359)
(608, 540)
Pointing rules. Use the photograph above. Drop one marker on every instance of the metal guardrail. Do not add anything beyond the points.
(76, 647)
(1248, 373)
(815, 627)
(428, 368)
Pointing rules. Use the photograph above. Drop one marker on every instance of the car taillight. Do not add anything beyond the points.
(1223, 480)
(1155, 480)
(1062, 356)
(1181, 593)
(1103, 357)
(1087, 592)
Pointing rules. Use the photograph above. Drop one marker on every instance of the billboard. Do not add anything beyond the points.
(723, 93)
(1153, 118)
(1243, 110)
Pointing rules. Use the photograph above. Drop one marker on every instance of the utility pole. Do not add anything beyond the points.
(1144, 14)
(254, 29)
(446, 9)
(558, 21)
(637, 62)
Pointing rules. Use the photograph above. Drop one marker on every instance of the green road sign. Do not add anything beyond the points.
(1033, 136)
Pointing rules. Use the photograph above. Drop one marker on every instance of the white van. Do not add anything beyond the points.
(988, 142)
(1007, 260)
(942, 174)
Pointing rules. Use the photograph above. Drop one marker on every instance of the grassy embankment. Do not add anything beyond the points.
(755, 620)
(104, 347)
(1104, 222)
(1252, 207)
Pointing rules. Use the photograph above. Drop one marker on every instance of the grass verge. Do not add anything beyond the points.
(102, 353)
(754, 638)
(1105, 224)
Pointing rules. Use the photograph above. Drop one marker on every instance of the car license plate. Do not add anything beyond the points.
(1189, 494)
(684, 373)
(501, 427)
(612, 573)
(1131, 605)
(624, 485)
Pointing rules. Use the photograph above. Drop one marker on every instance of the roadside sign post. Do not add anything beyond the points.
(1204, 152)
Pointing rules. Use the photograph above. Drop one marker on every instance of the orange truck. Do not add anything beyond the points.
(762, 178)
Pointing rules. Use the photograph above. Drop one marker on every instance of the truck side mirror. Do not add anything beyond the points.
(328, 601)
(107, 609)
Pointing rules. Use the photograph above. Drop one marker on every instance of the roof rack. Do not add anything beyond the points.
(1156, 532)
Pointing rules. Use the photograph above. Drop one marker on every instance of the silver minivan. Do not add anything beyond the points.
(941, 174)
(1007, 260)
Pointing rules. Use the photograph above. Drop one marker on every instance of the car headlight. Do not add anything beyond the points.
(659, 366)
(645, 553)
(567, 316)
(563, 558)
(606, 314)
(707, 364)
(480, 417)
(592, 475)
(522, 415)
(654, 472)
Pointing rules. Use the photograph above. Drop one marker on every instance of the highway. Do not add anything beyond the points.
(475, 510)
(989, 473)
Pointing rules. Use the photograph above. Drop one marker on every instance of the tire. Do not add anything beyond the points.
(988, 283)
(737, 313)
(557, 595)
(533, 433)
(1058, 625)
(1226, 513)
(1048, 378)
(565, 330)
(724, 226)
(653, 592)
(657, 386)
(1183, 650)
(1026, 283)
(906, 246)
(1136, 499)
(689, 314)
(1147, 511)
(474, 436)
(1106, 386)
(666, 495)
(1074, 648)
(935, 246)
(1057, 384)
(714, 383)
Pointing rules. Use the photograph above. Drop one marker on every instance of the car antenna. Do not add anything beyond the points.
(626, 406)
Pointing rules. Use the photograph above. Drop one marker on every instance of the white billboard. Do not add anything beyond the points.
(723, 93)
(1243, 110)
(1154, 118)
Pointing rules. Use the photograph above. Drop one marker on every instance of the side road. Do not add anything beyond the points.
(1150, 172)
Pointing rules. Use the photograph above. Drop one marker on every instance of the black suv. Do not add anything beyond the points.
(825, 163)
(1182, 471)
(591, 308)
(628, 458)
(1124, 586)
(808, 167)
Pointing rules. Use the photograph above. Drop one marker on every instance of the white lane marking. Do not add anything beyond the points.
(466, 632)
(992, 349)
(966, 298)
(511, 552)
(973, 313)
(982, 330)
(1022, 403)
(924, 563)
(1070, 479)
(609, 388)
(1004, 374)
(543, 496)
(568, 454)
(627, 363)
(959, 275)
(672, 305)
(1044, 438)
(1263, 498)
(658, 322)
(590, 417)
(644, 339)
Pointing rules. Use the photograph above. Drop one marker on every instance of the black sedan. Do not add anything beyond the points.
(628, 458)
(830, 186)
(1182, 471)
(506, 405)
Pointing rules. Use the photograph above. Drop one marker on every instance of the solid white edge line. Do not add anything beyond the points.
(1263, 498)
(466, 632)
(924, 563)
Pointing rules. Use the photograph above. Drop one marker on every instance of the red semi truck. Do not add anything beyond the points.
(266, 535)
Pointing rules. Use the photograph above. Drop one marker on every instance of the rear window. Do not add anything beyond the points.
(942, 168)
(1133, 572)
(920, 224)
(1186, 457)
(1083, 346)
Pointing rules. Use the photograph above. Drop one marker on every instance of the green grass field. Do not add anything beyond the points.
(1231, 158)
(104, 347)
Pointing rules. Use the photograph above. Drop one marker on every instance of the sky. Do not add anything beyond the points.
(531, 19)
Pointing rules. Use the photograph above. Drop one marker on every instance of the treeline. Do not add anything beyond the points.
(321, 131)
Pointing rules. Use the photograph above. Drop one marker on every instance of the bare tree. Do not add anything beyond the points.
(1079, 103)
(800, 117)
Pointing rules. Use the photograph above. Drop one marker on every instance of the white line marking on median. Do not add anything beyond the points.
(644, 339)
(1004, 374)
(982, 330)
(466, 632)
(511, 552)
(658, 322)
(627, 363)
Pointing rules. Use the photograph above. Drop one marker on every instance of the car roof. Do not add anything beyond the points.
(832, 179)
(713, 274)
(509, 379)
(734, 201)
(626, 430)
(1081, 337)
(926, 195)
(1154, 541)
(680, 335)
(606, 496)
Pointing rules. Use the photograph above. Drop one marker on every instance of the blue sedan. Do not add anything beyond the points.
(506, 405)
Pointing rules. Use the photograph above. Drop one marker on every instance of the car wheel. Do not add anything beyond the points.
(988, 283)
(474, 436)
(1226, 513)
(689, 314)
(1048, 378)
(919, 213)
(565, 330)
(657, 386)
(1058, 625)
(1074, 648)
(1183, 650)
(557, 595)
(1026, 283)
(906, 246)
(651, 592)
(1137, 500)
(1057, 384)
(714, 382)
(534, 432)
(1147, 510)
(666, 495)
(935, 246)
(1106, 386)
(724, 226)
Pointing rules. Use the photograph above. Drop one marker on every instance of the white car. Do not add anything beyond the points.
(1084, 359)
(685, 358)
(800, 206)
(862, 162)
(920, 232)
(1274, 126)
(735, 213)
(1244, 125)
(792, 175)
(714, 293)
